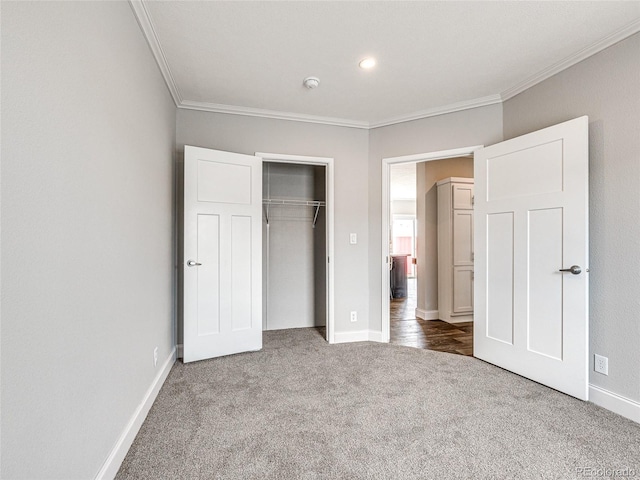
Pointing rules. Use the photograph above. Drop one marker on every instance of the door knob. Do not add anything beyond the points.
(575, 270)
(193, 263)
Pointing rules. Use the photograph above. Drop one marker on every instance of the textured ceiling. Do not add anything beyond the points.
(430, 54)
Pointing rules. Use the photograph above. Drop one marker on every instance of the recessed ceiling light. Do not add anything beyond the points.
(367, 63)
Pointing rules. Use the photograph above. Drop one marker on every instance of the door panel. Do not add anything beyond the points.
(462, 289)
(220, 182)
(463, 237)
(534, 170)
(241, 272)
(531, 208)
(208, 281)
(498, 300)
(463, 197)
(545, 282)
(222, 267)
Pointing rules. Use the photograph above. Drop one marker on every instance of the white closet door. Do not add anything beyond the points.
(222, 253)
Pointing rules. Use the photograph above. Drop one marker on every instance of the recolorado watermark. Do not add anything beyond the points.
(604, 472)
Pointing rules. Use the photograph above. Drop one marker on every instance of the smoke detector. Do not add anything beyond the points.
(311, 82)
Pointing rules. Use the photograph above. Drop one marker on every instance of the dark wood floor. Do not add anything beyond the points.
(410, 331)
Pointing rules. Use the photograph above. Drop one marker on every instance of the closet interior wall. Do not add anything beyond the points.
(294, 250)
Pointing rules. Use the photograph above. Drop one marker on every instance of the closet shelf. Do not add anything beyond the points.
(301, 203)
(282, 201)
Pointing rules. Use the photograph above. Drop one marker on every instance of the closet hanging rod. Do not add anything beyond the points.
(305, 203)
(282, 201)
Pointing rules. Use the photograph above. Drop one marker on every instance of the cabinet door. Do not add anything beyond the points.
(463, 289)
(462, 196)
(462, 237)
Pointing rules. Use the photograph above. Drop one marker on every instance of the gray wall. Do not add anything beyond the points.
(87, 262)
(428, 174)
(607, 88)
(348, 146)
(479, 126)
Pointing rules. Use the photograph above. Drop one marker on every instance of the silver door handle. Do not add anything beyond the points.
(193, 263)
(575, 270)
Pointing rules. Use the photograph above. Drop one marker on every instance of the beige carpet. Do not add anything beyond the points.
(304, 409)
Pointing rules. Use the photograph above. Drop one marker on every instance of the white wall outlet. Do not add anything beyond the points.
(155, 357)
(354, 316)
(601, 364)
(353, 238)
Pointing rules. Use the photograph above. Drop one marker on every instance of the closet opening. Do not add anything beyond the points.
(296, 240)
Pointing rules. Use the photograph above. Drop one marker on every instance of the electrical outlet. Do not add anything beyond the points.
(354, 316)
(155, 357)
(601, 364)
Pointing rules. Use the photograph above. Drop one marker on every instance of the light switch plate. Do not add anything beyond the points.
(353, 238)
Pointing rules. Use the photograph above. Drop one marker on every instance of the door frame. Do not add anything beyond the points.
(326, 162)
(386, 218)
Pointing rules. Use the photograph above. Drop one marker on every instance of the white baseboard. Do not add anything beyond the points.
(460, 319)
(375, 336)
(427, 314)
(616, 403)
(359, 336)
(114, 460)
(179, 351)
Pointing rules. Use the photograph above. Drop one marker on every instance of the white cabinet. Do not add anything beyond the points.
(455, 249)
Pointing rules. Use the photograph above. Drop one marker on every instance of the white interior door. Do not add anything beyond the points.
(222, 253)
(531, 211)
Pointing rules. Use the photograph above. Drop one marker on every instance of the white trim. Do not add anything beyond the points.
(386, 219)
(263, 113)
(149, 31)
(330, 210)
(339, 122)
(460, 319)
(571, 60)
(180, 350)
(616, 403)
(375, 336)
(359, 336)
(427, 314)
(442, 110)
(282, 158)
(119, 451)
(439, 155)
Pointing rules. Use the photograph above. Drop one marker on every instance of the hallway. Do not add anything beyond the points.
(436, 335)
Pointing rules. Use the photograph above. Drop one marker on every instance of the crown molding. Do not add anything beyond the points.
(258, 112)
(571, 60)
(340, 122)
(149, 31)
(433, 112)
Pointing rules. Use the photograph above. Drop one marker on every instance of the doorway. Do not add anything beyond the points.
(412, 318)
(305, 208)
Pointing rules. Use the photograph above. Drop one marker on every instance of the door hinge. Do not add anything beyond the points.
(473, 199)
